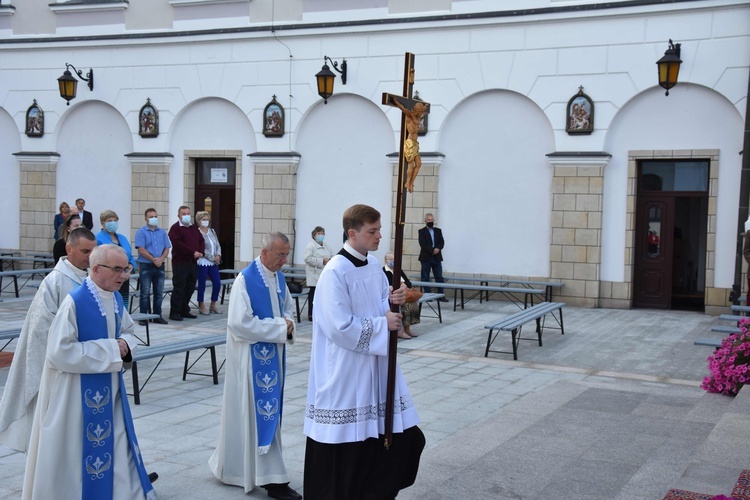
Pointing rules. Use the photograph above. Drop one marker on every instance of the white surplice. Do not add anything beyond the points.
(346, 394)
(53, 461)
(22, 386)
(236, 460)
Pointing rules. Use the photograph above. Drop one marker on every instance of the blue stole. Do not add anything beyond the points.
(268, 386)
(98, 404)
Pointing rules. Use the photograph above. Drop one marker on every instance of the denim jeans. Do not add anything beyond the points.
(151, 275)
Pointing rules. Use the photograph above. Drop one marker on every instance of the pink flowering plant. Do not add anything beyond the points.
(730, 364)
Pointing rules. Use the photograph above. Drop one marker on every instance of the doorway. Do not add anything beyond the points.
(671, 229)
(215, 193)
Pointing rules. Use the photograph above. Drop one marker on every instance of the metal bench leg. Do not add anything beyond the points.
(213, 366)
(440, 314)
(516, 339)
(489, 343)
(136, 390)
(184, 372)
(539, 329)
(562, 328)
(296, 302)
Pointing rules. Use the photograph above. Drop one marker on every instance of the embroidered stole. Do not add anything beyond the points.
(268, 384)
(98, 403)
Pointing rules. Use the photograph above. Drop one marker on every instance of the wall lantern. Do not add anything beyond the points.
(669, 66)
(326, 77)
(69, 84)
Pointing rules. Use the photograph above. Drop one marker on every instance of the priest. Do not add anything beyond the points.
(20, 393)
(345, 457)
(260, 322)
(83, 444)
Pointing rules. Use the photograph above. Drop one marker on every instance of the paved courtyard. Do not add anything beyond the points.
(611, 410)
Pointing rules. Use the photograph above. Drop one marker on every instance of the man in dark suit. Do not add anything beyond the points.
(431, 252)
(86, 218)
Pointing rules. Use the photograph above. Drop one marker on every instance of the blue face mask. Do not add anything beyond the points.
(390, 264)
(111, 226)
(185, 219)
(319, 238)
(153, 221)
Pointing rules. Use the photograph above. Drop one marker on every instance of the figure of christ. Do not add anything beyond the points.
(411, 145)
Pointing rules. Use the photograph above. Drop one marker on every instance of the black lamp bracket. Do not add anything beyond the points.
(341, 71)
(88, 78)
(675, 47)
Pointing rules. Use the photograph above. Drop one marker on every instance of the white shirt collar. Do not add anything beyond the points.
(352, 251)
(82, 273)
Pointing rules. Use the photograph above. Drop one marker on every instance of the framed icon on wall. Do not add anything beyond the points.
(34, 121)
(148, 120)
(273, 119)
(580, 114)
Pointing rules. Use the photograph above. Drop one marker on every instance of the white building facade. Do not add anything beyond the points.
(641, 211)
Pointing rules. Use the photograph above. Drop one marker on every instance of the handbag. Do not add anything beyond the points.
(413, 295)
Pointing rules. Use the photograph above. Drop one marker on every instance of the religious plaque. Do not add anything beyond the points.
(580, 114)
(34, 121)
(148, 120)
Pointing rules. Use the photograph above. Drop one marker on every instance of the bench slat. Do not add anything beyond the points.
(207, 343)
(707, 342)
(158, 351)
(725, 329)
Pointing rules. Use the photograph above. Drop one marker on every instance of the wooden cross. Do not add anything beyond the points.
(409, 163)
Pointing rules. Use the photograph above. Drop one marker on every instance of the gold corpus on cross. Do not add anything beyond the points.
(409, 164)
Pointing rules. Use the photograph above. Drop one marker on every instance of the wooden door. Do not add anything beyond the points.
(215, 193)
(653, 251)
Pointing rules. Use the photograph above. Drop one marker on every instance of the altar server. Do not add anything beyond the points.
(345, 457)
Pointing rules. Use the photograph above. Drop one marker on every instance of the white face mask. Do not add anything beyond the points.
(185, 219)
(153, 221)
(204, 223)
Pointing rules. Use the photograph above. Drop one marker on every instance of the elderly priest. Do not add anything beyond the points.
(83, 443)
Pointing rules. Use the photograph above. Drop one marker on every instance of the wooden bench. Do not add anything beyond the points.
(514, 324)
(506, 282)
(508, 292)
(729, 330)
(27, 273)
(9, 335)
(147, 318)
(427, 298)
(135, 295)
(742, 310)
(207, 343)
(708, 342)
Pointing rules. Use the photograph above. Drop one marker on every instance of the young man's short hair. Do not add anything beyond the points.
(357, 216)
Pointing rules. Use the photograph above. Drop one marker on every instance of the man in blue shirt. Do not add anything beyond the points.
(153, 246)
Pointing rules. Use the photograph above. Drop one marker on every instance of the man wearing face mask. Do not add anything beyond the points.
(187, 247)
(431, 252)
(153, 246)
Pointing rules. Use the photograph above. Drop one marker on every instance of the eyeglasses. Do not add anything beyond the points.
(118, 269)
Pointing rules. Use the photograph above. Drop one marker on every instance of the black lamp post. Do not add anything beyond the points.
(669, 66)
(69, 85)
(326, 77)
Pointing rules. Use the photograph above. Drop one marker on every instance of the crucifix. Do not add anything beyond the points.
(409, 163)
